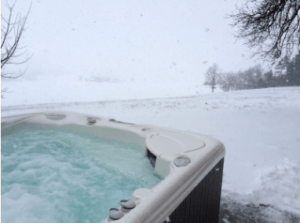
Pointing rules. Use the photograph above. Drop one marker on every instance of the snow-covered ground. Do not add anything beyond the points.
(259, 128)
(28, 90)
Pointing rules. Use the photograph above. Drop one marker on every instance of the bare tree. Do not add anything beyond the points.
(270, 27)
(212, 77)
(12, 29)
(228, 81)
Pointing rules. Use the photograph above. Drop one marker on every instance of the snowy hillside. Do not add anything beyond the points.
(29, 90)
(259, 128)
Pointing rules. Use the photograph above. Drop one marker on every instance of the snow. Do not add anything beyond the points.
(259, 128)
(144, 62)
(132, 38)
(279, 185)
(86, 89)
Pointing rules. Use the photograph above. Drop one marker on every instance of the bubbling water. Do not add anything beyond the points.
(60, 175)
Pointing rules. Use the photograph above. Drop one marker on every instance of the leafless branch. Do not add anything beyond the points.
(270, 27)
(12, 30)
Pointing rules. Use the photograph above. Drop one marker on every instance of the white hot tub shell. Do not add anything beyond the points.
(183, 159)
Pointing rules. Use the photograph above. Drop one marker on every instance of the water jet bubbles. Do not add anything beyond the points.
(57, 177)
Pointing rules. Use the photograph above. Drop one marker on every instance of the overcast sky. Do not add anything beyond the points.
(133, 39)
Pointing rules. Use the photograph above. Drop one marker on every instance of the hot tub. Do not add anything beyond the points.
(191, 166)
